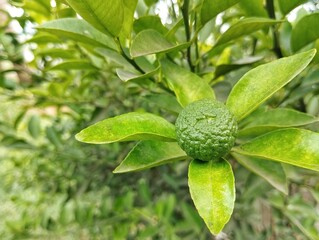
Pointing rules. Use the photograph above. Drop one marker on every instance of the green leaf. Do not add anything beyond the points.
(165, 101)
(54, 137)
(262, 82)
(57, 53)
(292, 216)
(211, 8)
(44, 38)
(72, 65)
(114, 57)
(78, 30)
(273, 119)
(188, 87)
(297, 147)
(34, 126)
(223, 69)
(107, 16)
(305, 31)
(148, 154)
(253, 8)
(281, 117)
(125, 75)
(270, 171)
(212, 188)
(244, 27)
(150, 41)
(128, 127)
(149, 22)
(129, 9)
(287, 5)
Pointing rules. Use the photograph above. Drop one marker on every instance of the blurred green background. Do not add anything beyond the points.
(53, 187)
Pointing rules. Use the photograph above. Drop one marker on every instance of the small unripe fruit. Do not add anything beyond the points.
(206, 130)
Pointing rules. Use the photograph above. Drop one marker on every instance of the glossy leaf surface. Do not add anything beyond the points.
(125, 75)
(187, 86)
(293, 146)
(128, 11)
(147, 154)
(272, 172)
(262, 82)
(150, 42)
(212, 188)
(211, 8)
(149, 22)
(72, 65)
(254, 8)
(165, 101)
(244, 27)
(270, 120)
(287, 5)
(128, 127)
(305, 31)
(107, 16)
(223, 69)
(78, 30)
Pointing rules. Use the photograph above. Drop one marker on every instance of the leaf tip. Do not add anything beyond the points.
(116, 170)
(79, 136)
(119, 169)
(314, 51)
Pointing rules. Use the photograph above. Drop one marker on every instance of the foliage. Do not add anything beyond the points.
(128, 73)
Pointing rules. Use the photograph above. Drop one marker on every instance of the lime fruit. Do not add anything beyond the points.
(206, 130)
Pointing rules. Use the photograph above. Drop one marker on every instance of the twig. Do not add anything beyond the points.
(271, 12)
(131, 61)
(185, 10)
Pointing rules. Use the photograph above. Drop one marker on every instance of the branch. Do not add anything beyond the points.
(271, 12)
(131, 61)
(185, 10)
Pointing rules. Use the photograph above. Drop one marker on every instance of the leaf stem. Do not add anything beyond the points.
(197, 64)
(271, 12)
(185, 11)
(131, 61)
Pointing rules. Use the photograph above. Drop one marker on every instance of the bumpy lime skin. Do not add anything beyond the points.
(206, 130)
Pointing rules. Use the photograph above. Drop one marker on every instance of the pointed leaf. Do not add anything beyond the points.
(305, 31)
(244, 27)
(148, 154)
(125, 75)
(34, 126)
(270, 120)
(128, 127)
(253, 8)
(129, 9)
(165, 101)
(107, 16)
(262, 82)
(188, 87)
(57, 53)
(211, 8)
(78, 30)
(114, 57)
(212, 189)
(281, 117)
(298, 147)
(149, 22)
(272, 172)
(72, 65)
(223, 69)
(150, 41)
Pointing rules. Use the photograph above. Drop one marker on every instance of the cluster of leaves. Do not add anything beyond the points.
(52, 186)
(171, 65)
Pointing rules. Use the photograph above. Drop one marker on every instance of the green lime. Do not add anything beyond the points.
(206, 130)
